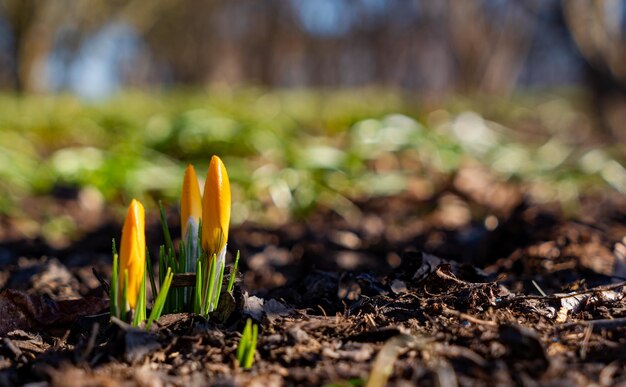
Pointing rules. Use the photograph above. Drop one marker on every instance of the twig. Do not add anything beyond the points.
(105, 285)
(120, 323)
(443, 275)
(183, 280)
(445, 373)
(91, 343)
(468, 317)
(559, 296)
(59, 342)
(539, 289)
(596, 324)
(382, 368)
(583, 349)
(448, 351)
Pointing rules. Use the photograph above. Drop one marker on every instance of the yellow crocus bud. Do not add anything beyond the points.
(133, 252)
(215, 208)
(190, 201)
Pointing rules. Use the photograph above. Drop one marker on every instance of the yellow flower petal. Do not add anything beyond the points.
(215, 208)
(133, 251)
(190, 201)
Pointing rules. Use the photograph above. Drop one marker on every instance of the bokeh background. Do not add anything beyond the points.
(311, 103)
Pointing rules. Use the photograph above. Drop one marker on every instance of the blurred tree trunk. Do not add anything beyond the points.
(596, 27)
(490, 46)
(29, 23)
(34, 25)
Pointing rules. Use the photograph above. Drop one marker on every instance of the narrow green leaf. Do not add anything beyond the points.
(124, 301)
(162, 265)
(249, 359)
(172, 297)
(140, 304)
(114, 287)
(143, 298)
(171, 260)
(160, 300)
(162, 272)
(180, 292)
(182, 259)
(191, 258)
(200, 233)
(243, 343)
(197, 301)
(192, 253)
(150, 271)
(166, 229)
(233, 274)
(182, 268)
(218, 291)
(212, 270)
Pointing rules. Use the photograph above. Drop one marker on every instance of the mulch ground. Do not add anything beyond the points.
(473, 285)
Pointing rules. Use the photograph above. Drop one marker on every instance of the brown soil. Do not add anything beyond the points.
(447, 289)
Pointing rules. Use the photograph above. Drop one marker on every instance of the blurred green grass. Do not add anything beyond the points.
(289, 152)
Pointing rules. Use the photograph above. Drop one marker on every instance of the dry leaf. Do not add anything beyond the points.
(19, 310)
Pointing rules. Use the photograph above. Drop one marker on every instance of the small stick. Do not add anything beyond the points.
(91, 342)
(539, 289)
(559, 296)
(586, 338)
(443, 275)
(100, 278)
(183, 280)
(468, 317)
(611, 323)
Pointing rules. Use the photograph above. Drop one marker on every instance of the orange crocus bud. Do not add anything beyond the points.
(133, 252)
(190, 201)
(216, 208)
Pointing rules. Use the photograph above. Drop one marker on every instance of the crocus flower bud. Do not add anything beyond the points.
(133, 252)
(216, 208)
(190, 202)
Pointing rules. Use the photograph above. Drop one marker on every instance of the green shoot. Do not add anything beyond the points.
(233, 274)
(211, 283)
(150, 273)
(166, 230)
(119, 302)
(157, 309)
(249, 358)
(124, 301)
(204, 298)
(218, 290)
(243, 342)
(113, 288)
(180, 293)
(247, 344)
(163, 266)
(197, 301)
(140, 310)
(114, 247)
(201, 299)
